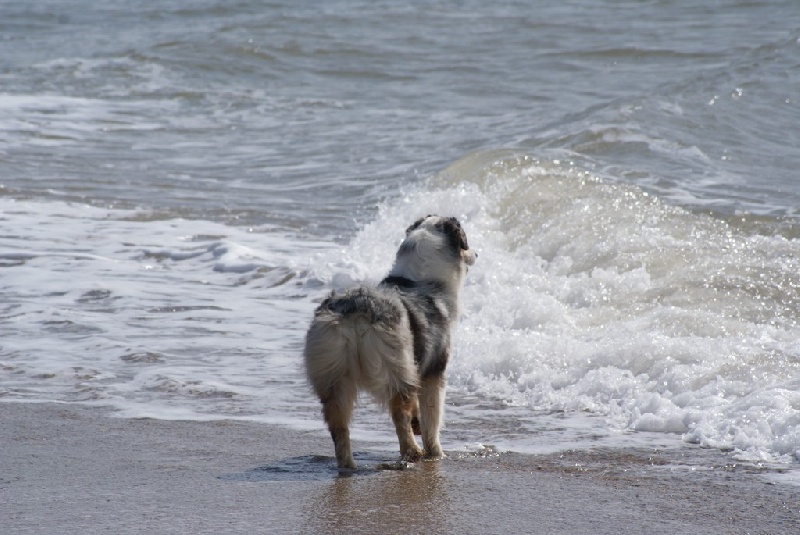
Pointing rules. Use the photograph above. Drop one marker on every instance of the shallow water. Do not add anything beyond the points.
(181, 182)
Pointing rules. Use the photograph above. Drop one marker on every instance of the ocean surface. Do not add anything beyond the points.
(181, 181)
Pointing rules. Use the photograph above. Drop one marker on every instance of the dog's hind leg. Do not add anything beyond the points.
(431, 405)
(402, 408)
(337, 409)
(415, 425)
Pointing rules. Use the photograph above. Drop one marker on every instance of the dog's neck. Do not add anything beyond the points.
(396, 280)
(415, 270)
(408, 280)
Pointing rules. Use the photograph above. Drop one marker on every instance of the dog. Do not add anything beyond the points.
(393, 340)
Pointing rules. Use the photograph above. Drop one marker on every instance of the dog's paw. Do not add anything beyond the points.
(434, 452)
(413, 455)
(347, 464)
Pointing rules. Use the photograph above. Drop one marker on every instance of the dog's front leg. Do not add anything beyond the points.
(402, 408)
(431, 404)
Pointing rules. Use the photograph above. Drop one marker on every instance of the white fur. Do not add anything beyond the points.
(379, 361)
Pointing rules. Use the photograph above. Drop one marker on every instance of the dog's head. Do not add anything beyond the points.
(435, 249)
(451, 229)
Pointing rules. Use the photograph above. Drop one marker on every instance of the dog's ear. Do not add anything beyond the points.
(455, 234)
(415, 225)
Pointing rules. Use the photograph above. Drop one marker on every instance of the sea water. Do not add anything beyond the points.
(182, 182)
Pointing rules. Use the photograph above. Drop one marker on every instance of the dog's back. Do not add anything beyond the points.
(361, 339)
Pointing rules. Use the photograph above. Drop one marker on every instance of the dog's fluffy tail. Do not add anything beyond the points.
(361, 339)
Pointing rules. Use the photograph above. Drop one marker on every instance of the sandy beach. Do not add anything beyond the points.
(73, 469)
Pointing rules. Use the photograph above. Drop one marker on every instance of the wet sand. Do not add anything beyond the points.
(75, 469)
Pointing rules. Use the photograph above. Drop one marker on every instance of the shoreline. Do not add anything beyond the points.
(76, 469)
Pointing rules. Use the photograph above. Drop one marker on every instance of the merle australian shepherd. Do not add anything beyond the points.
(393, 340)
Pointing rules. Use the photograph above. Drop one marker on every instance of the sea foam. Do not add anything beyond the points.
(592, 297)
